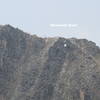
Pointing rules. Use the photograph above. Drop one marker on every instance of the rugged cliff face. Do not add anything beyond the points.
(34, 68)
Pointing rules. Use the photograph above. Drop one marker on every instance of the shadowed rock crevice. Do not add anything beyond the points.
(52, 67)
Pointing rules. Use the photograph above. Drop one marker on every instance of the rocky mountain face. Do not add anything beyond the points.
(34, 68)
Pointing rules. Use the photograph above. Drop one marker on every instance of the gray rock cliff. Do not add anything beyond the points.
(35, 68)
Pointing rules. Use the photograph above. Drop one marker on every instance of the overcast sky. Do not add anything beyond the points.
(36, 16)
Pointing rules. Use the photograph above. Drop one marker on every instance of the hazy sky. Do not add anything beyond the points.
(35, 17)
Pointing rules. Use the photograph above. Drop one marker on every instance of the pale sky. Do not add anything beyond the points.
(35, 17)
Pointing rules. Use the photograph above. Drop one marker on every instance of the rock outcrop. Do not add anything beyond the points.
(35, 68)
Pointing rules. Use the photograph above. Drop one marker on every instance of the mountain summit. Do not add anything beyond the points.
(35, 68)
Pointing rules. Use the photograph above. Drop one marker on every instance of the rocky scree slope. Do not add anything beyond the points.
(34, 68)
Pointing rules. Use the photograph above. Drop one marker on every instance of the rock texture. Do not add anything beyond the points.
(34, 68)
